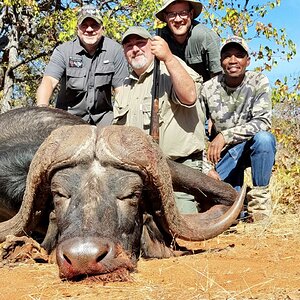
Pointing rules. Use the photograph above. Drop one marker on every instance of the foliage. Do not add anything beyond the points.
(288, 94)
(286, 128)
(242, 19)
(286, 177)
(29, 31)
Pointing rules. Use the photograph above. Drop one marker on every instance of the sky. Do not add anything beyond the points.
(287, 16)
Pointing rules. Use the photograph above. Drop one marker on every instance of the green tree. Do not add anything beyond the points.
(29, 31)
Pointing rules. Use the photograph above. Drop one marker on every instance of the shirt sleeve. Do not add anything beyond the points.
(57, 64)
(260, 118)
(121, 68)
(213, 50)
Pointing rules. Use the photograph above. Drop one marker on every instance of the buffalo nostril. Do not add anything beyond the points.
(67, 259)
(101, 257)
(84, 256)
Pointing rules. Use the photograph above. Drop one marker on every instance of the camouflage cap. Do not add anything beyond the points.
(89, 11)
(236, 40)
(197, 7)
(137, 30)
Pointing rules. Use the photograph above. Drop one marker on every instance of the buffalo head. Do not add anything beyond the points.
(101, 183)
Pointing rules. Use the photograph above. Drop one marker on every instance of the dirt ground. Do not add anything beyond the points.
(255, 262)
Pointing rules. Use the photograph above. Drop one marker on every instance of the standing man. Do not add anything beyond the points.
(181, 119)
(239, 106)
(193, 42)
(88, 68)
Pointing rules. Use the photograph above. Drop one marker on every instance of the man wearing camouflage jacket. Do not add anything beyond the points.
(238, 105)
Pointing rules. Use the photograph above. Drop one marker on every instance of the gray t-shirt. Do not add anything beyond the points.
(201, 51)
(85, 81)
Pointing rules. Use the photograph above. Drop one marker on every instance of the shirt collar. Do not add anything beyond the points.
(102, 45)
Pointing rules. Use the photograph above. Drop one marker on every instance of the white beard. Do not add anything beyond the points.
(139, 62)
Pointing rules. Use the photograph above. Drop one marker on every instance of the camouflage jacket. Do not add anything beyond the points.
(241, 112)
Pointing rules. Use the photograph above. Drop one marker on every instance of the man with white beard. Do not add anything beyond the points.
(181, 119)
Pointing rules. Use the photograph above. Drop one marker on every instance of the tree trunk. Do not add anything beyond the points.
(12, 60)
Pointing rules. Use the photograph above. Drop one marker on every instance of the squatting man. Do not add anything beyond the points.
(238, 103)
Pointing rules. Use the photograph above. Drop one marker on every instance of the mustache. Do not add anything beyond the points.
(139, 54)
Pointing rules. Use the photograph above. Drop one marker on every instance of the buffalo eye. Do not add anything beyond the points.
(131, 198)
(59, 197)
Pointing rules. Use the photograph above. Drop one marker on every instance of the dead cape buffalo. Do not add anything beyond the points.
(110, 189)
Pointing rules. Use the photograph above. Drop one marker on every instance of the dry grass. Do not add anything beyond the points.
(258, 261)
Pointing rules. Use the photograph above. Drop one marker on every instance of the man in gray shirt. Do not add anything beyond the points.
(193, 42)
(87, 68)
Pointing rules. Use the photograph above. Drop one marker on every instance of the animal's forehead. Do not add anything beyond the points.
(94, 171)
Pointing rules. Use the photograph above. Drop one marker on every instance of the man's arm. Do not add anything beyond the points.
(213, 53)
(45, 90)
(261, 113)
(232, 128)
(121, 70)
(183, 84)
(117, 89)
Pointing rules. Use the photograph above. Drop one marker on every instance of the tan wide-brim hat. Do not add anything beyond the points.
(197, 6)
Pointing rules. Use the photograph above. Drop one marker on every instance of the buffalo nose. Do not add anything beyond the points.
(84, 256)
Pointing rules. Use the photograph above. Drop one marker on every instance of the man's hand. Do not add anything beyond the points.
(215, 148)
(160, 49)
(214, 174)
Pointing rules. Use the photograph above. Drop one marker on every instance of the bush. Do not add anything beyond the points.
(286, 177)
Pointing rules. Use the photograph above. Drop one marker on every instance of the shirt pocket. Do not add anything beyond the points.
(120, 111)
(76, 78)
(104, 74)
(120, 114)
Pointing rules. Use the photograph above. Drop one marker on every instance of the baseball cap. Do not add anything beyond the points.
(89, 11)
(236, 40)
(137, 30)
(197, 6)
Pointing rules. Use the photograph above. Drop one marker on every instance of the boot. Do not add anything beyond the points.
(259, 203)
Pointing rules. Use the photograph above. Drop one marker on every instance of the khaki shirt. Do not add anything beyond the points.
(181, 130)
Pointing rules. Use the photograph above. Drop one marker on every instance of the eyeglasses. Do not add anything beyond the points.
(173, 14)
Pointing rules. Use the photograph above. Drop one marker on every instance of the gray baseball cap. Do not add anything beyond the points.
(137, 30)
(89, 11)
(197, 6)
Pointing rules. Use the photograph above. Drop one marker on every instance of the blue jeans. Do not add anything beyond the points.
(257, 153)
